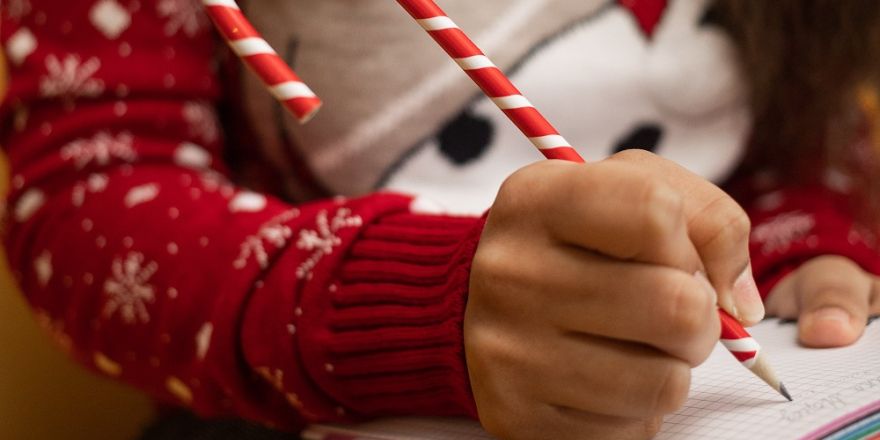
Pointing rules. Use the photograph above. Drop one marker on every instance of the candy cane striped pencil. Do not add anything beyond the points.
(498, 87)
(747, 351)
(491, 80)
(247, 43)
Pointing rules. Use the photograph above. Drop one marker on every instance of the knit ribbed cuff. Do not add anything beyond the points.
(369, 326)
(388, 338)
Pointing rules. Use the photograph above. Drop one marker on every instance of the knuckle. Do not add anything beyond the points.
(526, 186)
(833, 279)
(672, 388)
(689, 309)
(485, 267)
(490, 347)
(635, 155)
(661, 210)
(731, 223)
(494, 274)
(509, 194)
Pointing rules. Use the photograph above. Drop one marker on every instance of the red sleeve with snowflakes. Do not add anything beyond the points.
(793, 224)
(148, 265)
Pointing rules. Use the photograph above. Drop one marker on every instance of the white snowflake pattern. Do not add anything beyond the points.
(110, 18)
(71, 77)
(202, 121)
(274, 232)
(43, 268)
(213, 181)
(778, 233)
(321, 240)
(185, 15)
(129, 291)
(859, 234)
(96, 183)
(101, 149)
(18, 9)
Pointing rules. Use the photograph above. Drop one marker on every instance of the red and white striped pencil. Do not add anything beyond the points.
(247, 43)
(533, 125)
(491, 80)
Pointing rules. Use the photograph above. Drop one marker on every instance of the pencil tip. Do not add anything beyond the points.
(784, 392)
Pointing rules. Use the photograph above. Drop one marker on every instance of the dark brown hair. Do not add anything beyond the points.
(804, 61)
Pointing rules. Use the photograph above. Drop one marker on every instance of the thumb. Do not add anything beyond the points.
(834, 298)
(719, 229)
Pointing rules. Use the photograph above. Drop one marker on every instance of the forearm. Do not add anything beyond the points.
(151, 267)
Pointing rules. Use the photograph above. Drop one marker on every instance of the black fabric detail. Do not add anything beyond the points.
(712, 17)
(465, 138)
(644, 136)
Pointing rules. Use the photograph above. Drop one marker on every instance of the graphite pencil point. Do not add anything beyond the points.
(784, 392)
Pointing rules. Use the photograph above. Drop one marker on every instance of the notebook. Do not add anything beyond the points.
(836, 395)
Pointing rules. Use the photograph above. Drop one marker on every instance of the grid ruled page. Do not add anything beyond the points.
(726, 400)
(402, 429)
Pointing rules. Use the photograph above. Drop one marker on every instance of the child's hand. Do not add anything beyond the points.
(585, 315)
(831, 297)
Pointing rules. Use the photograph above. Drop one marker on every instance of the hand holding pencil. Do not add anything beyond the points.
(592, 318)
(688, 203)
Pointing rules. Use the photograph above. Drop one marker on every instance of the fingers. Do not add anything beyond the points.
(571, 377)
(548, 422)
(610, 208)
(625, 380)
(583, 292)
(834, 295)
(719, 230)
(832, 298)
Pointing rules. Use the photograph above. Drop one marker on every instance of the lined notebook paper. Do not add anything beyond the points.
(832, 388)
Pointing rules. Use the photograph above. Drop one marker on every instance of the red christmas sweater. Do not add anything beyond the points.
(149, 265)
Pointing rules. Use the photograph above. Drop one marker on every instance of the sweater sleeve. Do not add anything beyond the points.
(148, 265)
(792, 224)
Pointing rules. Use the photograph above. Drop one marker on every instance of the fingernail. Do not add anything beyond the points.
(830, 314)
(707, 286)
(747, 304)
(827, 327)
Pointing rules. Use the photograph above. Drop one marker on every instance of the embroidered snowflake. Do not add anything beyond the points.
(96, 183)
(128, 291)
(71, 77)
(43, 268)
(185, 15)
(323, 238)
(859, 234)
(100, 149)
(778, 233)
(17, 9)
(202, 121)
(274, 232)
(213, 182)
